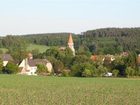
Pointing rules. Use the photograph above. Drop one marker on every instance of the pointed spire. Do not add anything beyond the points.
(70, 40)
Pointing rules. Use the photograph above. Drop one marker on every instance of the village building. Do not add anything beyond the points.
(6, 58)
(71, 44)
(28, 65)
(108, 59)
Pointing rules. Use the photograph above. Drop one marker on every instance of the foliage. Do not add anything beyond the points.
(66, 73)
(130, 71)
(42, 69)
(87, 73)
(120, 64)
(58, 67)
(115, 73)
(100, 41)
(16, 46)
(11, 68)
(76, 70)
(101, 71)
(1, 66)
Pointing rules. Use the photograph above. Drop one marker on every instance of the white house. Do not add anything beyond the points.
(28, 66)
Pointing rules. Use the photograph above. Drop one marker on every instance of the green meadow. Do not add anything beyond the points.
(30, 47)
(40, 48)
(37, 90)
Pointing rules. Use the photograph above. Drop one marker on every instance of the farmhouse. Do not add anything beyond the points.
(28, 66)
(6, 58)
(108, 59)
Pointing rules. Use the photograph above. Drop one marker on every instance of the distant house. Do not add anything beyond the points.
(93, 58)
(108, 59)
(28, 66)
(125, 54)
(44, 62)
(6, 58)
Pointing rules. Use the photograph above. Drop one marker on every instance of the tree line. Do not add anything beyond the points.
(100, 41)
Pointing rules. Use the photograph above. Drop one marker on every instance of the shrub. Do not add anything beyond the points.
(115, 72)
(101, 70)
(129, 71)
(66, 73)
(87, 73)
(42, 69)
(11, 68)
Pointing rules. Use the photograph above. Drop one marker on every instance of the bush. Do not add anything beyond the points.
(115, 72)
(58, 67)
(42, 69)
(66, 73)
(11, 68)
(76, 70)
(129, 71)
(101, 71)
(87, 73)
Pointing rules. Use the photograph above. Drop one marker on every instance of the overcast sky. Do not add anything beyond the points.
(47, 16)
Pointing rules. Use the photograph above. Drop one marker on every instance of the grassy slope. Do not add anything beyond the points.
(41, 48)
(30, 90)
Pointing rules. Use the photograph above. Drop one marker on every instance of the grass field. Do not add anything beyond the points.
(35, 90)
(41, 48)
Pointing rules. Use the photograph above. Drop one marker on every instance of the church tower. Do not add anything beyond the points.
(71, 44)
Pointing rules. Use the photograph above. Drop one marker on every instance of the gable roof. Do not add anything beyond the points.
(41, 61)
(31, 63)
(6, 57)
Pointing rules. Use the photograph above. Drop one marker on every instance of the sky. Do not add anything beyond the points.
(19, 17)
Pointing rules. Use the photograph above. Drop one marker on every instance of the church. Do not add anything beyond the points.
(71, 44)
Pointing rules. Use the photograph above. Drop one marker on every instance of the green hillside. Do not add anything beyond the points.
(30, 47)
(41, 48)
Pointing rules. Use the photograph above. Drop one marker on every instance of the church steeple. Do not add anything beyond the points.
(71, 44)
(70, 39)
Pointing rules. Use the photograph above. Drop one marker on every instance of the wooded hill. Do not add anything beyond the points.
(107, 40)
